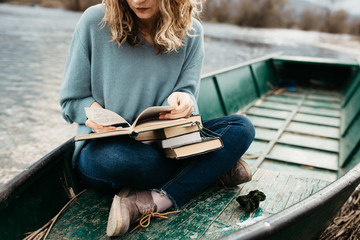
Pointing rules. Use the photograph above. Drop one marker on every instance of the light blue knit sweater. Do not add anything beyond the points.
(124, 79)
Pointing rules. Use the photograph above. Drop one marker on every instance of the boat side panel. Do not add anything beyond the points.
(39, 199)
(265, 76)
(350, 144)
(350, 127)
(351, 88)
(210, 101)
(237, 88)
(350, 111)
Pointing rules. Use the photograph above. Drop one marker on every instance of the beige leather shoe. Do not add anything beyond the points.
(239, 173)
(128, 207)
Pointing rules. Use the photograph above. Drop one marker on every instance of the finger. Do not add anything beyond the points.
(92, 124)
(173, 101)
(104, 129)
(186, 113)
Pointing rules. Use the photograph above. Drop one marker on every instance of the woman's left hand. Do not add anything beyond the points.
(183, 104)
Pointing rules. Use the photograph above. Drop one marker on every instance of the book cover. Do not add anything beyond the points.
(184, 139)
(206, 145)
(169, 132)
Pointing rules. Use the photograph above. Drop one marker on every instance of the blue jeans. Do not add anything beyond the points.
(111, 163)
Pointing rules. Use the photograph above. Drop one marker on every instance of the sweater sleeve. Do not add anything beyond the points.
(189, 79)
(75, 92)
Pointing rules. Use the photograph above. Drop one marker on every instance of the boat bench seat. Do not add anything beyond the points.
(212, 214)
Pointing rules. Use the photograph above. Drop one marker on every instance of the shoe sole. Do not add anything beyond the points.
(115, 225)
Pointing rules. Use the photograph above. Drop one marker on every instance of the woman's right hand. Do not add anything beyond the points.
(97, 128)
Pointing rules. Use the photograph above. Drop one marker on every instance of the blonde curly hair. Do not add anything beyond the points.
(173, 24)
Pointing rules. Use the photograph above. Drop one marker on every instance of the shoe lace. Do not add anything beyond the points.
(147, 214)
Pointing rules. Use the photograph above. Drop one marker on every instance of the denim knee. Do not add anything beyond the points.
(247, 126)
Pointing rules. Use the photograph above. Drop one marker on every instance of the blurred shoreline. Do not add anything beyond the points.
(34, 42)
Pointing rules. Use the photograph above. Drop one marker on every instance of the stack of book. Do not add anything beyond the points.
(179, 138)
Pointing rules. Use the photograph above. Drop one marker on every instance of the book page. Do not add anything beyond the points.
(152, 113)
(104, 117)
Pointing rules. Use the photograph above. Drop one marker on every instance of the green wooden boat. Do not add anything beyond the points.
(305, 158)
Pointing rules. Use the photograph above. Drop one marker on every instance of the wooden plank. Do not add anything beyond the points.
(264, 133)
(284, 99)
(298, 170)
(331, 98)
(87, 217)
(279, 106)
(310, 141)
(324, 92)
(266, 122)
(322, 104)
(303, 156)
(257, 147)
(309, 118)
(315, 130)
(296, 94)
(320, 111)
(281, 190)
(194, 218)
(268, 113)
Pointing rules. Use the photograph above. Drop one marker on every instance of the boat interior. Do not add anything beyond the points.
(306, 113)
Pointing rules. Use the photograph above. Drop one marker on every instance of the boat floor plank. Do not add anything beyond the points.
(296, 170)
(281, 190)
(303, 156)
(213, 213)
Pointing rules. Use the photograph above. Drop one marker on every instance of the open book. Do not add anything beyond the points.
(147, 120)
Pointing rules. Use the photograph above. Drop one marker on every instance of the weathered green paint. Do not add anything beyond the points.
(266, 122)
(264, 76)
(350, 142)
(323, 120)
(237, 88)
(353, 160)
(308, 141)
(257, 147)
(264, 134)
(318, 130)
(350, 111)
(296, 170)
(281, 190)
(320, 111)
(284, 99)
(37, 201)
(212, 214)
(304, 156)
(323, 104)
(319, 97)
(268, 113)
(351, 88)
(278, 106)
(209, 102)
(87, 218)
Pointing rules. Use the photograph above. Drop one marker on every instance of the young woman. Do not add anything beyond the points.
(127, 55)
